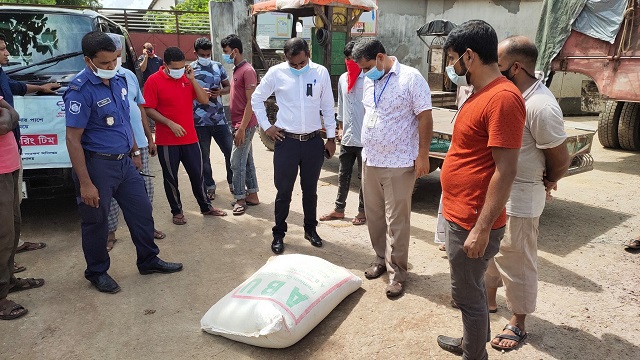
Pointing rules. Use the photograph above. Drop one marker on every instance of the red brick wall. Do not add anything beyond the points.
(162, 41)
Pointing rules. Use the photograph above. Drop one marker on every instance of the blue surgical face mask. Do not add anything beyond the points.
(204, 61)
(460, 80)
(373, 73)
(227, 58)
(105, 74)
(298, 72)
(176, 73)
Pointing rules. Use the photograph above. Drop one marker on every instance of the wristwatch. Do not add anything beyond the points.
(136, 153)
(331, 139)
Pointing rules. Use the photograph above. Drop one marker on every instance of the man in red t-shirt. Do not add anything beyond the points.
(169, 95)
(476, 176)
(244, 123)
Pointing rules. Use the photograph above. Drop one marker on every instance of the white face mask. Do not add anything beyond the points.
(105, 74)
(204, 61)
(176, 73)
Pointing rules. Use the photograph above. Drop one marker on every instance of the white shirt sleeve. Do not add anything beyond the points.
(327, 106)
(547, 127)
(260, 95)
(340, 99)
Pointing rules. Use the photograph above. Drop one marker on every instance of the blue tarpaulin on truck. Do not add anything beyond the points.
(600, 19)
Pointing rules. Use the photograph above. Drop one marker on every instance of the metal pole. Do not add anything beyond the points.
(177, 28)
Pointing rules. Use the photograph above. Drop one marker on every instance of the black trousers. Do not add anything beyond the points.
(118, 179)
(348, 157)
(191, 158)
(289, 155)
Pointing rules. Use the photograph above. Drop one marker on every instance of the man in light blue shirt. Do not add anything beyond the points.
(144, 139)
(351, 115)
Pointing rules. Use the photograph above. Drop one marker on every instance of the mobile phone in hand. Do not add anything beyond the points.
(326, 154)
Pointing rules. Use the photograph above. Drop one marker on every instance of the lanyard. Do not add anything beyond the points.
(376, 100)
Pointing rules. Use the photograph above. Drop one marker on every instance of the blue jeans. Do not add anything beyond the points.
(244, 171)
(222, 136)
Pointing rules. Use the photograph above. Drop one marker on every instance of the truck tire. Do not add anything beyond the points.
(608, 124)
(268, 143)
(629, 127)
(272, 111)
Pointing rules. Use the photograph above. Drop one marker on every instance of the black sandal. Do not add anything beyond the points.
(518, 337)
(10, 307)
(26, 284)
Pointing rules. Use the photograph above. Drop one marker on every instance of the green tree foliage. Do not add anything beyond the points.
(187, 22)
(34, 34)
(87, 3)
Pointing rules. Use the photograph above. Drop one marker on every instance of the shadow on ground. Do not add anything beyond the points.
(558, 341)
(560, 225)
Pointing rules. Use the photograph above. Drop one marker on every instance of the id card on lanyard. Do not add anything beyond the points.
(371, 118)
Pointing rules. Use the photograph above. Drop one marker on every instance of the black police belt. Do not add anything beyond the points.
(302, 137)
(103, 156)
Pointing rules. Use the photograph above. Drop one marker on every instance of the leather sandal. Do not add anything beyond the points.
(519, 338)
(9, 310)
(394, 289)
(375, 271)
(26, 284)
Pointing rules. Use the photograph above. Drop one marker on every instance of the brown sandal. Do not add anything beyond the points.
(157, 234)
(18, 268)
(330, 216)
(26, 284)
(215, 212)
(375, 271)
(111, 241)
(29, 246)
(359, 221)
(394, 289)
(179, 219)
(9, 310)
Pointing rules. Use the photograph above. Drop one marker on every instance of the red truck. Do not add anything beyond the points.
(613, 65)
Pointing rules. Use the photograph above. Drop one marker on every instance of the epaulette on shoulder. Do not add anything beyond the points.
(78, 82)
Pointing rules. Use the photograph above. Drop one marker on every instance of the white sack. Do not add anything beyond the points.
(280, 303)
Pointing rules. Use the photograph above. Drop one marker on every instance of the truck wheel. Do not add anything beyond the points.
(608, 124)
(272, 111)
(268, 143)
(629, 127)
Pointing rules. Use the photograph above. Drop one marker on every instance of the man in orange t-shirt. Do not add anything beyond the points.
(476, 176)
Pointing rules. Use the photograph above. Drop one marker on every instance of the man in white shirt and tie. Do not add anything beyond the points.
(302, 89)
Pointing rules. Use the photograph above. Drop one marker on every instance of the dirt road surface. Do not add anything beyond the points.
(587, 309)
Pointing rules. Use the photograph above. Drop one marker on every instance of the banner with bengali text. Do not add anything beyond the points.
(43, 132)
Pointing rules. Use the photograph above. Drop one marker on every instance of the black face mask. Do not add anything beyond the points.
(506, 72)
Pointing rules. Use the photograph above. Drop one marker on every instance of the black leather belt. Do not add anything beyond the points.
(106, 156)
(302, 137)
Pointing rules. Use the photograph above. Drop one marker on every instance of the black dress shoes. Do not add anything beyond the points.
(105, 283)
(313, 238)
(162, 267)
(277, 246)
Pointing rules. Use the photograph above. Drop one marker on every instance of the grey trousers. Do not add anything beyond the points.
(467, 288)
